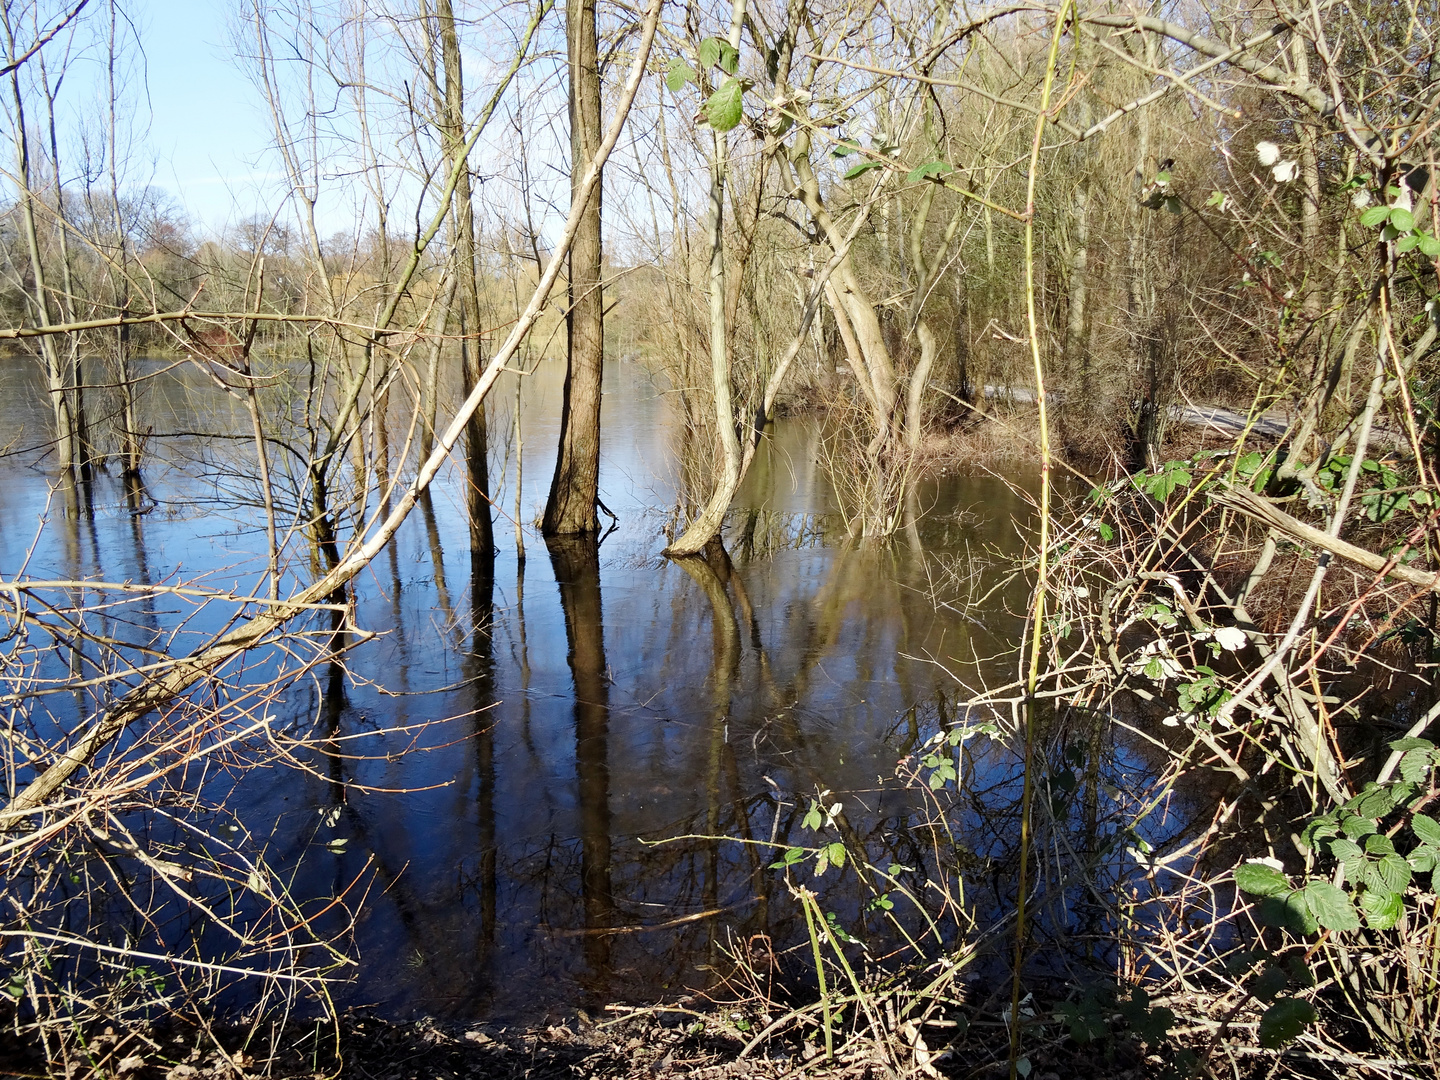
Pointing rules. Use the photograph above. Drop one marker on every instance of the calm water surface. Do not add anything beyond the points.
(550, 721)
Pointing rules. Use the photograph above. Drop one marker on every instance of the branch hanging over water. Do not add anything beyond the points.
(160, 691)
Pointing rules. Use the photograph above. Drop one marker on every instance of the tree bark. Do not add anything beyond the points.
(575, 488)
(477, 470)
(65, 435)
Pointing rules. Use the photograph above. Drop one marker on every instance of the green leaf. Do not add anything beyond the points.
(1356, 827)
(814, 818)
(1426, 828)
(1150, 1025)
(1172, 475)
(1083, 1020)
(1373, 803)
(1330, 906)
(862, 168)
(1392, 873)
(1238, 963)
(1216, 199)
(1379, 844)
(1349, 854)
(678, 74)
(1300, 973)
(1174, 205)
(729, 58)
(723, 108)
(1411, 744)
(844, 148)
(1407, 243)
(1374, 216)
(1382, 909)
(836, 852)
(931, 170)
(1415, 765)
(1429, 246)
(1284, 1020)
(709, 52)
(1270, 982)
(1106, 532)
(1402, 219)
(791, 857)
(832, 923)
(1259, 879)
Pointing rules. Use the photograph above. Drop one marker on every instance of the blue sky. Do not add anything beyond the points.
(207, 132)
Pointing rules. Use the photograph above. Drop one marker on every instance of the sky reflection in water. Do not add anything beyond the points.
(581, 704)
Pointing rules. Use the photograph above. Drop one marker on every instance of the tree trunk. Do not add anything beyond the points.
(477, 471)
(575, 489)
(65, 435)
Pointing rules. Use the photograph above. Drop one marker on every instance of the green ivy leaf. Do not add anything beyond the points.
(1259, 879)
(1330, 906)
(931, 170)
(723, 108)
(1284, 1020)
(678, 74)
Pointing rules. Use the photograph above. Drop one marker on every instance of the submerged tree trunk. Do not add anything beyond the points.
(575, 488)
(66, 448)
(477, 471)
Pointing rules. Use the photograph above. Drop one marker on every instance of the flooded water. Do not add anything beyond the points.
(522, 741)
